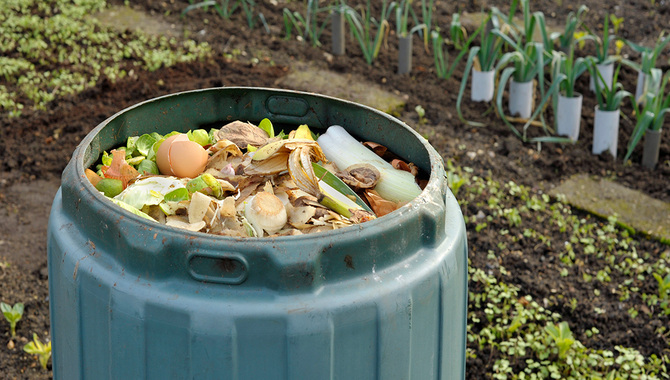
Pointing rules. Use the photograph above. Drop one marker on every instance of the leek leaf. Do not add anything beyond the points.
(331, 179)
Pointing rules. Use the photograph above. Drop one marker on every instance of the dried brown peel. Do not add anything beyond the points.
(242, 134)
(360, 176)
(272, 165)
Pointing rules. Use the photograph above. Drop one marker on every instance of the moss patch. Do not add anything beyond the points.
(605, 198)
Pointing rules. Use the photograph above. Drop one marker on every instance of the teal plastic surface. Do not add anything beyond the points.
(132, 299)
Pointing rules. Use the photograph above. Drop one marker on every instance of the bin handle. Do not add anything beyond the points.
(220, 268)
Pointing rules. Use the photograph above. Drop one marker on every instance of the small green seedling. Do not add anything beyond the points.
(12, 314)
(663, 285)
(36, 347)
(562, 336)
(421, 112)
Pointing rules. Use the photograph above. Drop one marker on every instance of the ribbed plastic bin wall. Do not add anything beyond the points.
(132, 299)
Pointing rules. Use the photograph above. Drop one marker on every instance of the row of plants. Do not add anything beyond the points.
(523, 66)
(525, 335)
(13, 315)
(507, 52)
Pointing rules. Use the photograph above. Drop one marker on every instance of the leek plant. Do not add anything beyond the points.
(248, 6)
(427, 14)
(458, 34)
(603, 44)
(566, 39)
(481, 58)
(402, 11)
(652, 115)
(572, 68)
(530, 23)
(648, 57)
(225, 8)
(528, 64)
(609, 98)
(307, 26)
(361, 26)
(460, 40)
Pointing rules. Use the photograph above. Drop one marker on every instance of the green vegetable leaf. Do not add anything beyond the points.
(266, 125)
(177, 195)
(134, 161)
(148, 166)
(106, 158)
(148, 191)
(206, 184)
(144, 144)
(199, 135)
(212, 139)
(130, 144)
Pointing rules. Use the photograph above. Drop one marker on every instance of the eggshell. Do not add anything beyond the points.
(187, 158)
(181, 157)
(163, 154)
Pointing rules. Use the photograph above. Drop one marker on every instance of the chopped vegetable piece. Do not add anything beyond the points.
(92, 176)
(110, 187)
(341, 148)
(120, 169)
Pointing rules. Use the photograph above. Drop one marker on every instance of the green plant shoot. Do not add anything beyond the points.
(652, 115)
(42, 350)
(562, 337)
(13, 314)
(461, 42)
(571, 67)
(403, 10)
(566, 39)
(608, 98)
(663, 285)
(361, 26)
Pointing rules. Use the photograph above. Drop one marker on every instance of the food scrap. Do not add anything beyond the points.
(242, 180)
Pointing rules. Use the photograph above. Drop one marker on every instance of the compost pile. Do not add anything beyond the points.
(242, 180)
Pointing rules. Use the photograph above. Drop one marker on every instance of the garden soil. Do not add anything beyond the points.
(35, 148)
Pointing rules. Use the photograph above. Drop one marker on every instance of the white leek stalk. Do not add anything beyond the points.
(343, 150)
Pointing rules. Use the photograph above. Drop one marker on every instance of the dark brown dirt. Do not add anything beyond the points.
(36, 147)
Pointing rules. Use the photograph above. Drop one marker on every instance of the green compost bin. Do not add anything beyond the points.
(132, 299)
